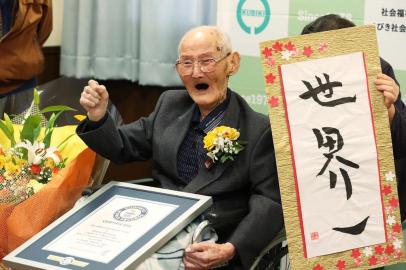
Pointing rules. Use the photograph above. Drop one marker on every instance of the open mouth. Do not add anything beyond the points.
(202, 86)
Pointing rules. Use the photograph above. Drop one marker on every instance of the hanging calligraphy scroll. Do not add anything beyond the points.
(333, 148)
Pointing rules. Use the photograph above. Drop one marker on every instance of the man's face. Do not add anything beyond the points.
(207, 89)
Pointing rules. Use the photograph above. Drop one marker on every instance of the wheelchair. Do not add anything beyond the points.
(274, 256)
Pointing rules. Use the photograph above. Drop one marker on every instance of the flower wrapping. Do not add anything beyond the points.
(20, 221)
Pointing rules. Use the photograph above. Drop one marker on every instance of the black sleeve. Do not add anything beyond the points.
(388, 70)
(121, 144)
(398, 127)
(88, 125)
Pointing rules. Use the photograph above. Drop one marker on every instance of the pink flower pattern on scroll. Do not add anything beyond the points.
(270, 78)
(379, 254)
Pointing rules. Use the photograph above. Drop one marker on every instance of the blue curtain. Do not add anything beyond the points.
(135, 40)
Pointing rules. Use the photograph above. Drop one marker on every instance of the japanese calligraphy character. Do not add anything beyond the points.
(392, 13)
(384, 12)
(354, 230)
(327, 90)
(334, 142)
(401, 13)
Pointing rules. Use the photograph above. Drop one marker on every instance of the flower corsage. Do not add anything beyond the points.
(221, 144)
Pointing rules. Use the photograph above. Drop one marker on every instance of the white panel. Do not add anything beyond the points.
(391, 42)
(324, 208)
(253, 15)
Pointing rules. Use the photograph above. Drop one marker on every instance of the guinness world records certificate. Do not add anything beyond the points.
(120, 226)
(111, 228)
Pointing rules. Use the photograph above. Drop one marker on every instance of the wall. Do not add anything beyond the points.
(52, 47)
(55, 39)
(131, 99)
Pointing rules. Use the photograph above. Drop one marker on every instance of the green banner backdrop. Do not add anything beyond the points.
(251, 21)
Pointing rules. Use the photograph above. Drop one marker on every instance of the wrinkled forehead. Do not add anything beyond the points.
(200, 42)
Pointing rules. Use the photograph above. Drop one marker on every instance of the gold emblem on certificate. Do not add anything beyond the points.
(130, 213)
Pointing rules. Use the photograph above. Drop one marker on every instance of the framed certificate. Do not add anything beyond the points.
(116, 228)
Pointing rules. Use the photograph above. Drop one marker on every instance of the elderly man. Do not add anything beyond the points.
(246, 212)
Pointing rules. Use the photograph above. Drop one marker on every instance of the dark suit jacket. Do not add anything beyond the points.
(246, 210)
(398, 127)
(398, 130)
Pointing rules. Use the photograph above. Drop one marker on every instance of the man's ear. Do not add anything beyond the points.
(234, 63)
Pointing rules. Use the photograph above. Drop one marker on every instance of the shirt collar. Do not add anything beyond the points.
(212, 116)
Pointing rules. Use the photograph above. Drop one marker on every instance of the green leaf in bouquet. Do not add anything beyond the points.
(36, 132)
(10, 127)
(31, 128)
(8, 123)
(57, 108)
(224, 158)
(59, 147)
(24, 152)
(49, 130)
(9, 135)
(47, 139)
(36, 97)
(52, 119)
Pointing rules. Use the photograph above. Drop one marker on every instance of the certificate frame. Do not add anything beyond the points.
(36, 254)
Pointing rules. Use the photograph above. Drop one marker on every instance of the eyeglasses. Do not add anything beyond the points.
(206, 65)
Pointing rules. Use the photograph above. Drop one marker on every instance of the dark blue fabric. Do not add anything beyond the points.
(6, 7)
(90, 125)
(30, 84)
(192, 155)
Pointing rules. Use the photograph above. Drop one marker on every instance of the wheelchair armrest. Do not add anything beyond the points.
(276, 252)
(201, 230)
(143, 181)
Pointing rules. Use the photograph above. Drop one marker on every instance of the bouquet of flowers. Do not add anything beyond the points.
(42, 172)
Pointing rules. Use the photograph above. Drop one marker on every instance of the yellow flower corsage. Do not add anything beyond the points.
(221, 143)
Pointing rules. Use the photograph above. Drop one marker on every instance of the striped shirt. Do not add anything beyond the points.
(191, 154)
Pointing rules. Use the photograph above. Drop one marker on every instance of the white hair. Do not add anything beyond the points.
(222, 38)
